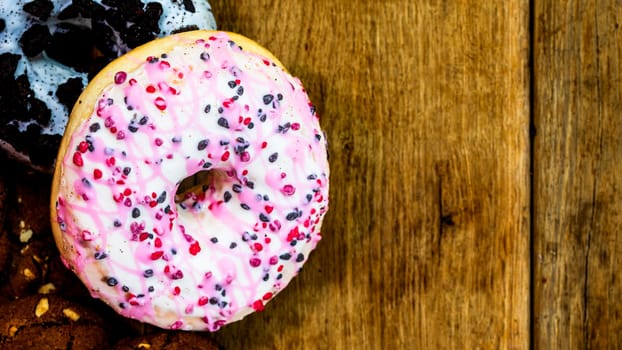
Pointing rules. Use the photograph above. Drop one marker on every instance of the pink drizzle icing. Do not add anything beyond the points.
(225, 251)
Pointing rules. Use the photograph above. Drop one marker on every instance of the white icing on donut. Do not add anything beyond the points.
(45, 75)
(220, 254)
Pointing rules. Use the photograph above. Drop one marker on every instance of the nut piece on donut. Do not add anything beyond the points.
(207, 103)
(49, 49)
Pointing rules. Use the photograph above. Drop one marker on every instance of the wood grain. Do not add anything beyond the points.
(578, 167)
(425, 104)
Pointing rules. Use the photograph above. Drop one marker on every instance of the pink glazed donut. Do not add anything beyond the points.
(200, 101)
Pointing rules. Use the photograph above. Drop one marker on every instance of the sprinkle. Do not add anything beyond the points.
(77, 159)
(285, 256)
(94, 127)
(237, 188)
(233, 245)
(160, 103)
(207, 108)
(203, 301)
(223, 122)
(292, 216)
(295, 126)
(245, 157)
(254, 262)
(258, 305)
(194, 248)
(300, 257)
(111, 281)
(158, 141)
(227, 196)
(288, 190)
(225, 156)
(100, 255)
(264, 218)
(273, 157)
(268, 209)
(156, 255)
(202, 144)
(119, 77)
(245, 206)
(204, 56)
(148, 273)
(267, 99)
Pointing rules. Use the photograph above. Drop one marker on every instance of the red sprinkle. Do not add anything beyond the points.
(257, 247)
(269, 209)
(77, 159)
(266, 62)
(267, 296)
(274, 260)
(288, 190)
(97, 174)
(150, 89)
(255, 262)
(258, 305)
(295, 126)
(176, 290)
(160, 103)
(83, 147)
(194, 248)
(127, 192)
(157, 242)
(225, 156)
(264, 144)
(156, 255)
(202, 301)
(110, 161)
(120, 77)
(143, 236)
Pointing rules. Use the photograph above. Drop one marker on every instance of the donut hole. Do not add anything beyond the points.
(199, 183)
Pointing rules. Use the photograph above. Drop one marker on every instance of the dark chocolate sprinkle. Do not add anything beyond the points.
(233, 245)
(266, 277)
(143, 120)
(309, 197)
(240, 91)
(279, 276)
(227, 196)
(214, 240)
(176, 139)
(125, 288)
(111, 281)
(251, 125)
(232, 83)
(94, 127)
(127, 170)
(245, 206)
(213, 300)
(207, 165)
(246, 236)
(207, 108)
(161, 197)
(220, 110)
(250, 184)
(300, 257)
(202, 144)
(279, 96)
(285, 256)
(117, 223)
(204, 56)
(237, 188)
(86, 182)
(293, 243)
(223, 122)
(273, 157)
(135, 213)
(100, 255)
(150, 289)
(218, 287)
(312, 177)
(263, 217)
(148, 273)
(132, 128)
(224, 142)
(267, 99)
(122, 305)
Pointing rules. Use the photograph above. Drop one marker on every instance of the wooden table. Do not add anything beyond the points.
(476, 173)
